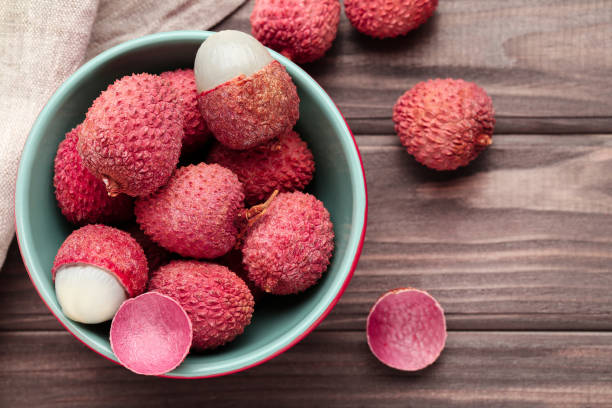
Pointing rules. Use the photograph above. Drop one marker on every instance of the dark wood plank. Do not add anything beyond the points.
(520, 240)
(504, 125)
(327, 369)
(538, 60)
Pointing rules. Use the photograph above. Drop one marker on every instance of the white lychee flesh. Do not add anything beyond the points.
(226, 55)
(87, 293)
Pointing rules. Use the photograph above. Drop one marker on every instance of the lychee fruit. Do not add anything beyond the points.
(301, 30)
(444, 123)
(151, 334)
(81, 196)
(132, 133)
(195, 131)
(289, 246)
(218, 302)
(245, 96)
(95, 270)
(156, 255)
(406, 329)
(197, 214)
(388, 18)
(284, 164)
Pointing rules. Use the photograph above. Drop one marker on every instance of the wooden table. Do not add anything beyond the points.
(517, 247)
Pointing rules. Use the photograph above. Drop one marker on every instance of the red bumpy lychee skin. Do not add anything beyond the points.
(388, 18)
(81, 196)
(110, 249)
(284, 164)
(444, 123)
(289, 247)
(197, 214)
(247, 111)
(301, 30)
(196, 132)
(131, 136)
(218, 302)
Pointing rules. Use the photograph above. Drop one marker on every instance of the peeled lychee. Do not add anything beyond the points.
(156, 255)
(95, 270)
(289, 247)
(197, 214)
(218, 302)
(406, 329)
(151, 334)
(131, 137)
(81, 196)
(283, 164)
(388, 18)
(245, 96)
(302, 30)
(195, 131)
(444, 123)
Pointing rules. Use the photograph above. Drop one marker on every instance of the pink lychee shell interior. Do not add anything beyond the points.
(406, 329)
(151, 334)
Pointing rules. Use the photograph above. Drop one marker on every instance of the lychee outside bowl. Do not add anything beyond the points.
(278, 322)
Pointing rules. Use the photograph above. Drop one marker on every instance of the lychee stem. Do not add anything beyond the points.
(255, 212)
(484, 140)
(112, 187)
(251, 216)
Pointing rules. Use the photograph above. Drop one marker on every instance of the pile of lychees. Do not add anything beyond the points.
(209, 235)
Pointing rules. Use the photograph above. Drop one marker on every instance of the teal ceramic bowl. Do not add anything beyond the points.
(278, 322)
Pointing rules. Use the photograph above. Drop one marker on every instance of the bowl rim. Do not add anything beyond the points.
(360, 194)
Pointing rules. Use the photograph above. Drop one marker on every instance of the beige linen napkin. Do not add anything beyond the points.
(43, 41)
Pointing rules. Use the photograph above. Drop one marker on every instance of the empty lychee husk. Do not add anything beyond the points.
(406, 329)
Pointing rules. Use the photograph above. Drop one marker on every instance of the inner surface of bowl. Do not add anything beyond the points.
(278, 322)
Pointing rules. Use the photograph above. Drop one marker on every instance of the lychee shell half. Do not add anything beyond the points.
(197, 214)
(301, 30)
(444, 123)
(289, 247)
(108, 248)
(195, 131)
(406, 329)
(81, 197)
(151, 334)
(247, 111)
(388, 18)
(284, 164)
(132, 134)
(218, 302)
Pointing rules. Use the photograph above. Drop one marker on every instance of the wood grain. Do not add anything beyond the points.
(538, 60)
(517, 247)
(326, 369)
